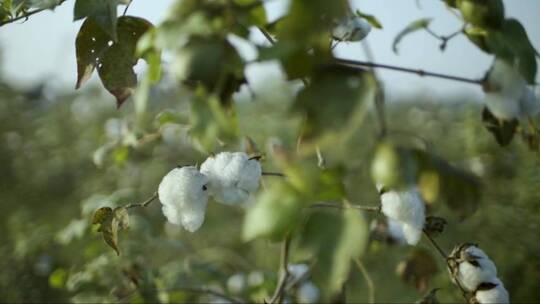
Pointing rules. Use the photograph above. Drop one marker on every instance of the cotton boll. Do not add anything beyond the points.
(233, 176)
(183, 194)
(496, 295)
(395, 231)
(529, 103)
(308, 293)
(412, 233)
(351, 29)
(476, 268)
(405, 206)
(502, 106)
(297, 271)
(507, 94)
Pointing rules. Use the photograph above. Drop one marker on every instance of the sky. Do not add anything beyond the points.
(42, 48)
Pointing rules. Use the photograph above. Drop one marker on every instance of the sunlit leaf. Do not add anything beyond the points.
(371, 19)
(411, 28)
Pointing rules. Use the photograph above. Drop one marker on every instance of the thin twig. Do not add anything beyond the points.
(367, 277)
(145, 203)
(348, 206)
(28, 14)
(273, 174)
(443, 254)
(357, 63)
(284, 271)
(127, 7)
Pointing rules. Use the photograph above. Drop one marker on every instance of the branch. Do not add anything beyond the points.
(445, 257)
(273, 174)
(145, 203)
(30, 13)
(349, 206)
(367, 277)
(357, 63)
(284, 272)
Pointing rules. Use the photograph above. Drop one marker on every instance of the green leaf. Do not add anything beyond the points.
(103, 12)
(116, 65)
(213, 63)
(411, 28)
(114, 61)
(488, 14)
(334, 239)
(371, 19)
(90, 45)
(393, 166)
(110, 222)
(331, 98)
(276, 212)
(513, 43)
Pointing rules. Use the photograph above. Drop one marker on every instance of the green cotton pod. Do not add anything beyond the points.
(393, 167)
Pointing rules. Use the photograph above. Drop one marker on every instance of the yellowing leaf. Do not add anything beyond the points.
(110, 222)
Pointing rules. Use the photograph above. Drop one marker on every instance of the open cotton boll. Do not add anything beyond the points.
(395, 231)
(411, 233)
(405, 206)
(308, 293)
(495, 295)
(232, 176)
(351, 28)
(184, 196)
(476, 268)
(507, 93)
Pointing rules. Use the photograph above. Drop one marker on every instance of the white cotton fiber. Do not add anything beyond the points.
(507, 93)
(183, 194)
(406, 207)
(470, 275)
(496, 295)
(232, 176)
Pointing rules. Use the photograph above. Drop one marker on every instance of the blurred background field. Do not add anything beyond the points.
(65, 153)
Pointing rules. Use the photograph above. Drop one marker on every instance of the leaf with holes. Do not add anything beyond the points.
(110, 222)
(103, 12)
(114, 61)
(90, 45)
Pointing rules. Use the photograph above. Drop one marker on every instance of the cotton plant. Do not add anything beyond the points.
(407, 211)
(351, 29)
(508, 96)
(476, 273)
(233, 177)
(183, 194)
